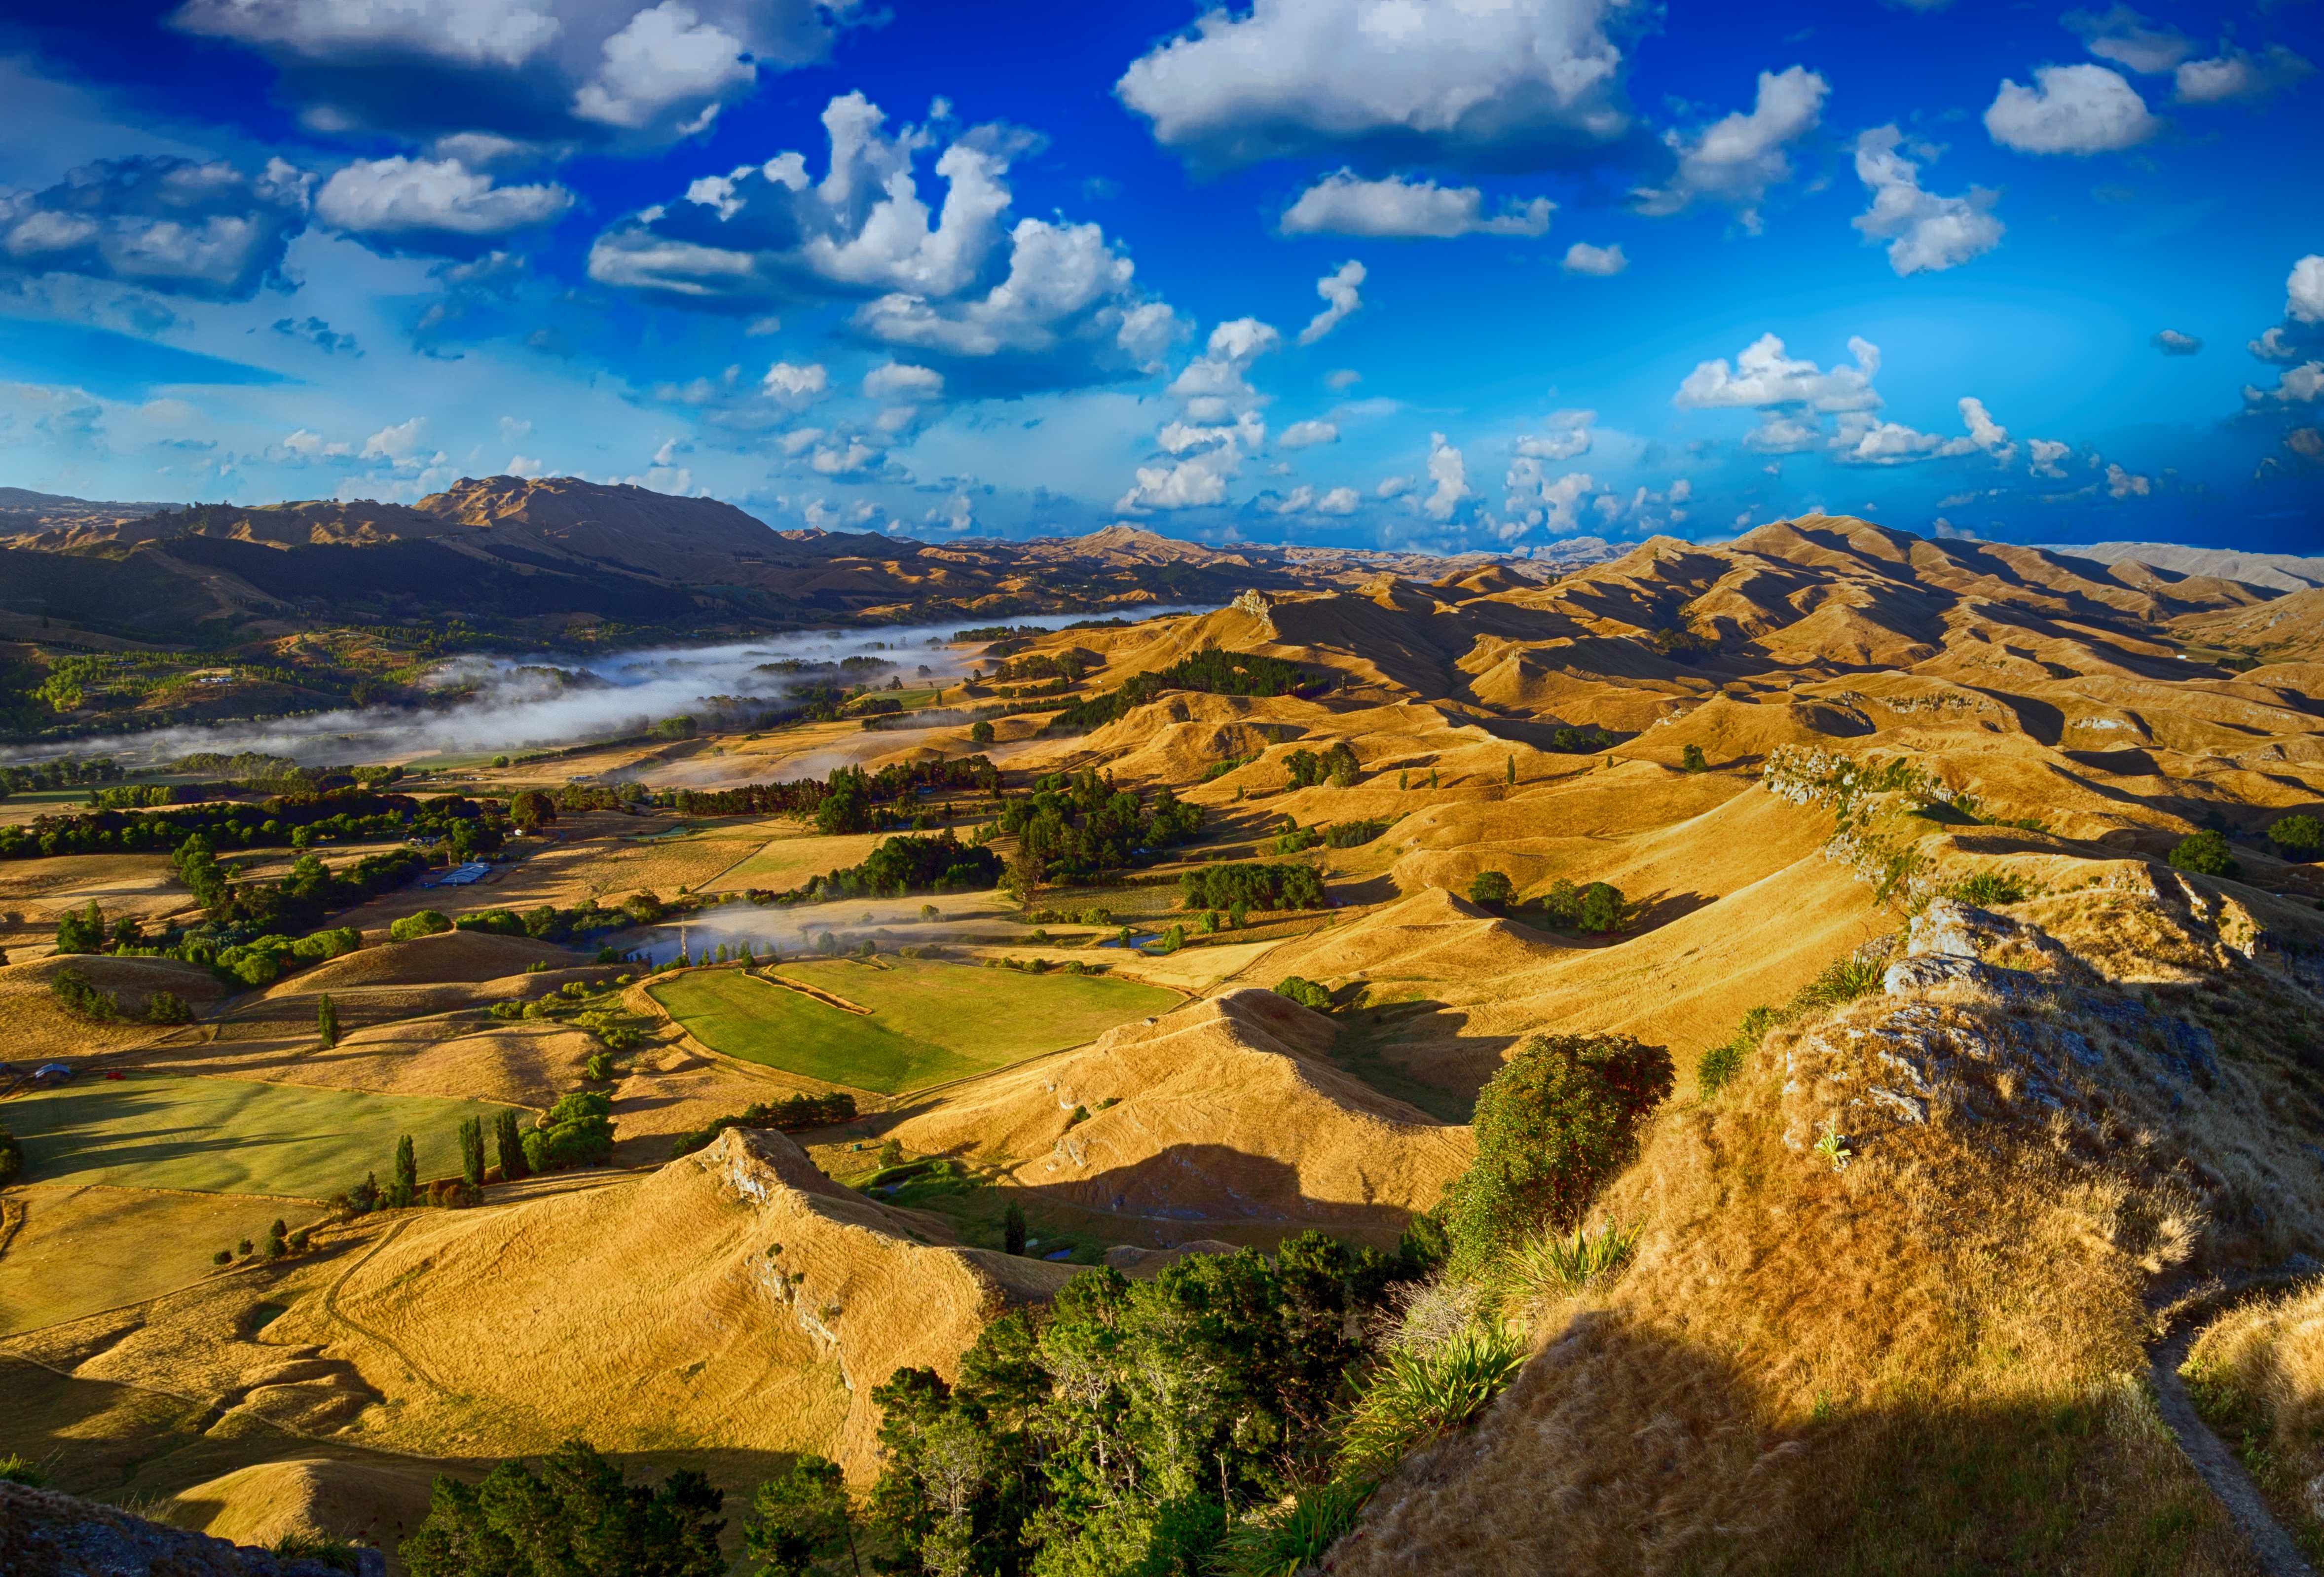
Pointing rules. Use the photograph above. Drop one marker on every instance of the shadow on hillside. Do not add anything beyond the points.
(1197, 1183)
(1628, 1449)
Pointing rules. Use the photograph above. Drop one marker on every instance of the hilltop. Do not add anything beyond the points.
(549, 551)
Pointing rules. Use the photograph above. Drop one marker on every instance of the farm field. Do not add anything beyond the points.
(230, 1136)
(784, 863)
(81, 1250)
(929, 1023)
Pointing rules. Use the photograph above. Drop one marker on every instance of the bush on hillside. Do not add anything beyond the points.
(2298, 838)
(425, 923)
(79, 996)
(1307, 993)
(11, 1159)
(1552, 1126)
(2206, 854)
(1252, 886)
(578, 1131)
(794, 1115)
(1492, 889)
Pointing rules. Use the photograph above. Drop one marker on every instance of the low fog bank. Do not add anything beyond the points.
(795, 931)
(492, 704)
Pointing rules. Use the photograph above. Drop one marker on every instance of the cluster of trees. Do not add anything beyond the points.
(1252, 885)
(298, 900)
(1597, 907)
(1307, 993)
(2298, 838)
(1583, 741)
(578, 1517)
(794, 1115)
(856, 791)
(1079, 825)
(905, 863)
(62, 772)
(2207, 854)
(1337, 766)
(1067, 668)
(298, 819)
(547, 923)
(1216, 672)
(1122, 1429)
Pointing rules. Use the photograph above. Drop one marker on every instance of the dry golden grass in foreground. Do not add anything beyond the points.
(1887, 1311)
(2257, 1374)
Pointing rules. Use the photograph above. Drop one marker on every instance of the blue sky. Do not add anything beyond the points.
(1442, 274)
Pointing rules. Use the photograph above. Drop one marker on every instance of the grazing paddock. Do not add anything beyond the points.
(929, 1023)
(231, 1136)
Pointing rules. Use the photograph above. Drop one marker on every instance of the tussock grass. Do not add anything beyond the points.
(1422, 1395)
(1550, 1265)
(1839, 985)
(2256, 1375)
(1293, 1535)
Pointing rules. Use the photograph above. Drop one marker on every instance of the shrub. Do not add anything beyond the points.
(15, 1469)
(2206, 854)
(1544, 1266)
(1602, 908)
(425, 923)
(1419, 1396)
(11, 1159)
(1988, 889)
(1307, 993)
(1840, 984)
(1692, 759)
(1552, 1126)
(1719, 1065)
(1290, 1540)
(322, 1549)
(74, 991)
(1492, 889)
(2298, 838)
(223, 1257)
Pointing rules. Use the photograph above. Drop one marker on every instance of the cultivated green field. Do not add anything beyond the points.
(230, 1136)
(931, 1022)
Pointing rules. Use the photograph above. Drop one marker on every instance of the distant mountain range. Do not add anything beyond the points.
(557, 549)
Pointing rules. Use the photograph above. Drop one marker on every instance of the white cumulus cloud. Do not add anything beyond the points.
(1345, 204)
(1451, 476)
(2071, 109)
(1762, 375)
(2272, 347)
(1602, 261)
(2303, 290)
(1300, 435)
(2047, 455)
(1739, 159)
(899, 380)
(1340, 292)
(2129, 39)
(1926, 233)
(2171, 343)
(793, 381)
(398, 443)
(2299, 385)
(2240, 75)
(1459, 81)
(2121, 483)
(1566, 433)
(421, 201)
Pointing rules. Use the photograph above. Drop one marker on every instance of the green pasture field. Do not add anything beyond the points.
(784, 863)
(231, 1136)
(931, 1022)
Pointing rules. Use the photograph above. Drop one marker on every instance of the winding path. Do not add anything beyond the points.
(2274, 1549)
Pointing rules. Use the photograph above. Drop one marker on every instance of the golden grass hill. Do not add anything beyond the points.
(1796, 1055)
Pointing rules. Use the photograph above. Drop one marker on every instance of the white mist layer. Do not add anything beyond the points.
(512, 710)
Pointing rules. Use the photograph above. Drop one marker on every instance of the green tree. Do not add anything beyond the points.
(2206, 854)
(1012, 1229)
(1692, 759)
(165, 1007)
(1492, 889)
(275, 1234)
(1511, 777)
(406, 1174)
(979, 732)
(805, 1513)
(83, 932)
(508, 1142)
(1552, 1126)
(531, 808)
(425, 923)
(2299, 837)
(327, 1021)
(472, 1152)
(11, 1157)
(1601, 907)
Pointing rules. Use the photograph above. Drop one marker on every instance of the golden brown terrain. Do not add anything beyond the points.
(2076, 1115)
